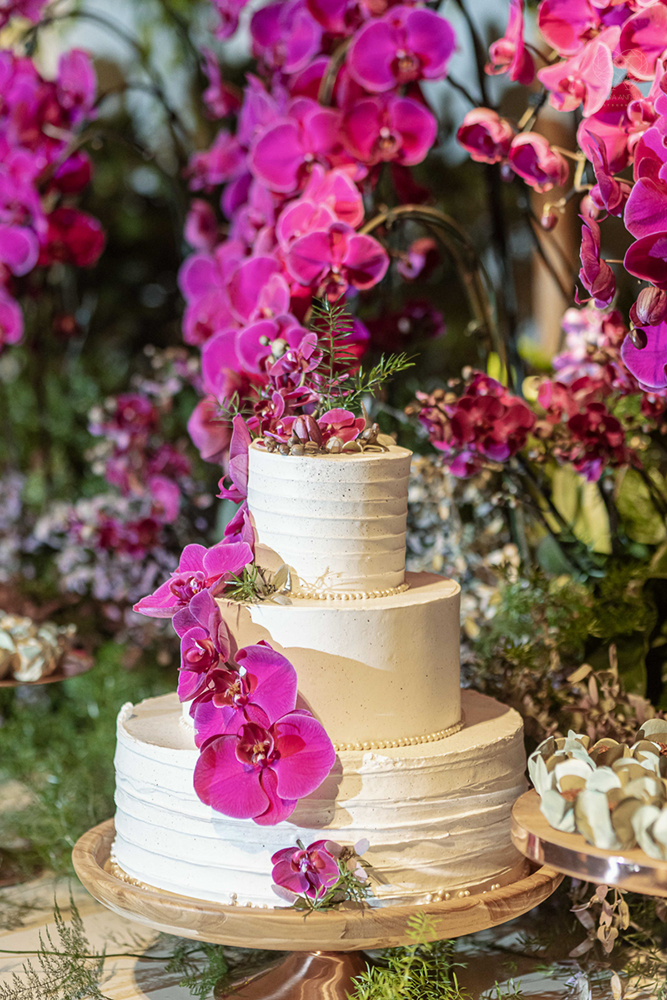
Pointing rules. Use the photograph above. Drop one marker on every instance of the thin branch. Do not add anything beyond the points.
(537, 242)
(462, 90)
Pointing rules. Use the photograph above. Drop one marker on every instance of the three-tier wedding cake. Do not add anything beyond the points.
(425, 771)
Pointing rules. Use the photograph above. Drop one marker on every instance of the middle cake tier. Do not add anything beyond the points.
(377, 672)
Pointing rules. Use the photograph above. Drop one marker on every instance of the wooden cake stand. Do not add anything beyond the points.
(571, 854)
(77, 663)
(325, 946)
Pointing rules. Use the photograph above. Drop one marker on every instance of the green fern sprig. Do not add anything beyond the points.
(416, 972)
(71, 971)
(203, 968)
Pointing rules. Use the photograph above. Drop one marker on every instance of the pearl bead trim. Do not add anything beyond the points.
(402, 741)
(345, 595)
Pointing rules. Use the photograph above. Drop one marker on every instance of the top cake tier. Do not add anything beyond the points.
(338, 521)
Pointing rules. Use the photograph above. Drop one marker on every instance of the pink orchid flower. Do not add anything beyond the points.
(19, 249)
(239, 528)
(205, 643)
(310, 871)
(11, 320)
(509, 53)
(648, 364)
(485, 135)
(257, 342)
(201, 226)
(76, 84)
(340, 423)
(261, 772)
(228, 12)
(285, 35)
(257, 287)
(333, 259)
(299, 217)
(533, 159)
(285, 151)
(336, 190)
(385, 128)
(643, 41)
(614, 126)
(224, 161)
(260, 108)
(237, 469)
(595, 274)
(199, 569)
(566, 24)
(647, 259)
(72, 237)
(586, 78)
(166, 497)
(263, 689)
(406, 44)
(30, 9)
(219, 99)
(222, 372)
(608, 194)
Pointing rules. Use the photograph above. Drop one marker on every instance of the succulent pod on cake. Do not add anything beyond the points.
(30, 651)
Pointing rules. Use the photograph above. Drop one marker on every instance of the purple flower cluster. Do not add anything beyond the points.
(289, 169)
(39, 176)
(486, 423)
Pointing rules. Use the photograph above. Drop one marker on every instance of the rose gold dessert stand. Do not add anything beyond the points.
(325, 946)
(571, 854)
(78, 663)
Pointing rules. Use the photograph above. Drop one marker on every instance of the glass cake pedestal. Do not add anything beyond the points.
(570, 854)
(325, 947)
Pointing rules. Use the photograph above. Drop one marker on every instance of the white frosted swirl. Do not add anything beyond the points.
(338, 520)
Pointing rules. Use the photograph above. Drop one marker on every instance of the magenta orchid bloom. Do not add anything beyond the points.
(618, 125)
(199, 569)
(228, 11)
(11, 320)
(333, 259)
(485, 135)
(509, 53)
(284, 152)
(595, 275)
(389, 128)
(205, 643)
(643, 41)
(76, 84)
(335, 190)
(585, 78)
(220, 100)
(533, 159)
(209, 432)
(260, 772)
(201, 226)
(285, 35)
(648, 364)
(566, 24)
(340, 423)
(406, 44)
(310, 871)
(238, 462)
(608, 194)
(263, 689)
(30, 9)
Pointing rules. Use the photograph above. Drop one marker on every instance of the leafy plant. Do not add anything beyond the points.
(416, 972)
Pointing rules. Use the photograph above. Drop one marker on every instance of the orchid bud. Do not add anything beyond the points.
(588, 207)
(650, 307)
(549, 218)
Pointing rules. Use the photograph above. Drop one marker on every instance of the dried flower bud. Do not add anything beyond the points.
(638, 338)
(650, 307)
(306, 428)
(278, 347)
(334, 445)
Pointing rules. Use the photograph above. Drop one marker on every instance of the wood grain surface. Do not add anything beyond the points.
(287, 929)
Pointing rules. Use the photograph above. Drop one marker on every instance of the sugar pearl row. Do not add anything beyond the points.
(329, 595)
(403, 741)
(440, 895)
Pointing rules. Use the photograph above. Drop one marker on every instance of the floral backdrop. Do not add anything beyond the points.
(164, 252)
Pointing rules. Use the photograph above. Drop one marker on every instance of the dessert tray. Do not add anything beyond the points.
(571, 854)
(77, 664)
(319, 967)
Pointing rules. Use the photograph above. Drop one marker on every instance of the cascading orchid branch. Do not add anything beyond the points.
(290, 168)
(594, 58)
(42, 170)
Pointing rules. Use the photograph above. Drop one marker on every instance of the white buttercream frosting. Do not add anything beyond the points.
(337, 520)
(437, 815)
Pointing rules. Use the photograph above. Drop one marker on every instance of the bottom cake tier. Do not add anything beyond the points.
(436, 815)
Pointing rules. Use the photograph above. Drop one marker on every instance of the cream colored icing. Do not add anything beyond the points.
(337, 520)
(437, 815)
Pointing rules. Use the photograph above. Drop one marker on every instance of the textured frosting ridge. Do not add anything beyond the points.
(338, 521)
(437, 815)
(369, 670)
